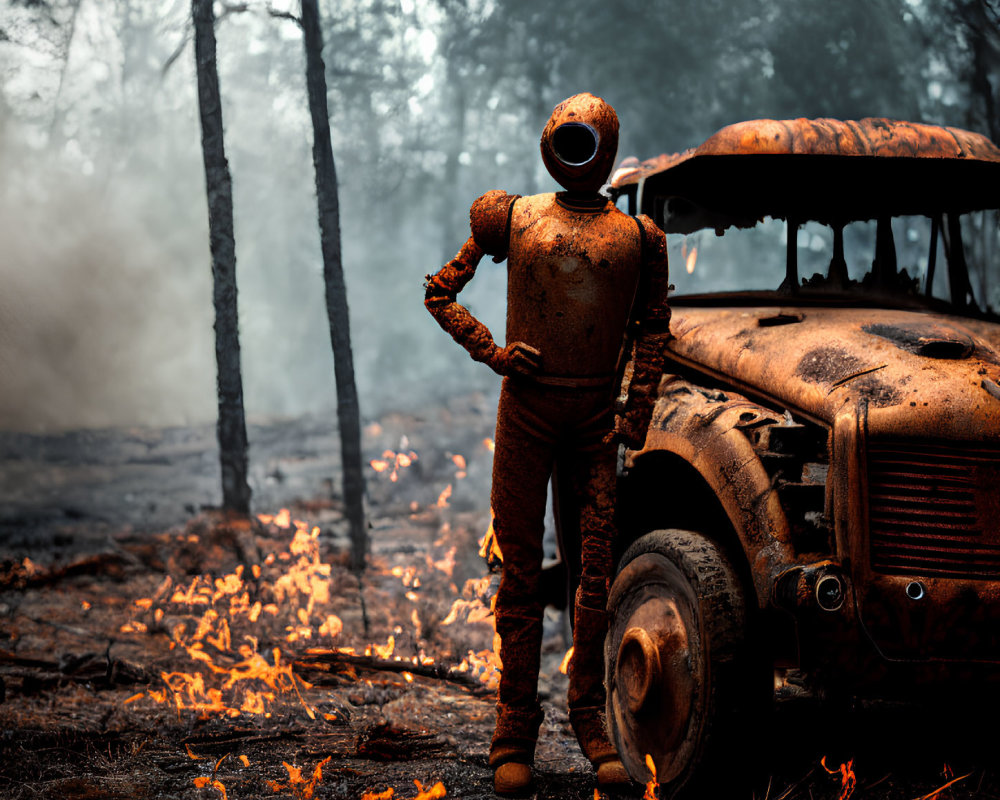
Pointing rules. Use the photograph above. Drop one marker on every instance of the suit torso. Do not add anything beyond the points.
(572, 276)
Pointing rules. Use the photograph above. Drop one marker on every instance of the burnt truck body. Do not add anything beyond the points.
(819, 489)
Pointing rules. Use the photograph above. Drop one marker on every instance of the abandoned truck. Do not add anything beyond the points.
(818, 495)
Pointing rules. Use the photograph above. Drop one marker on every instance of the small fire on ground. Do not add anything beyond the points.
(243, 632)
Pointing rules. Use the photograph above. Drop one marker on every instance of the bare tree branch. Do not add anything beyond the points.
(284, 15)
(177, 52)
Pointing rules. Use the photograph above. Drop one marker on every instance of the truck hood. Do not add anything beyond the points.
(817, 361)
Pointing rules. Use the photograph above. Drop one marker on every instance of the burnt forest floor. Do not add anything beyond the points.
(151, 649)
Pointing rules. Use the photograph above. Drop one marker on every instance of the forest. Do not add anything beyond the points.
(324, 625)
(431, 103)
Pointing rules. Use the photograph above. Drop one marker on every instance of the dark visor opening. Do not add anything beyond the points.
(574, 143)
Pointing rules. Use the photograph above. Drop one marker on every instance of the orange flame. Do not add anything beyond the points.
(652, 785)
(442, 501)
(848, 780)
(201, 783)
(302, 788)
(382, 651)
(436, 792)
(396, 461)
(564, 665)
(489, 548)
(445, 564)
(229, 677)
(691, 260)
(386, 795)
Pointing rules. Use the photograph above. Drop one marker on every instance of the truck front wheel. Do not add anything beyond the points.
(676, 656)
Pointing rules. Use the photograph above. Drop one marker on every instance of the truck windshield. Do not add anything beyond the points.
(754, 260)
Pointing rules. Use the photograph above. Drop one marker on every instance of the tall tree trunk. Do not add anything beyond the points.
(348, 414)
(232, 429)
(979, 31)
(453, 221)
(56, 132)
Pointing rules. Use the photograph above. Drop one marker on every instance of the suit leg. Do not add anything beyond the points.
(522, 463)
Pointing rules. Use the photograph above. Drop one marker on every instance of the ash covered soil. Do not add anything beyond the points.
(150, 648)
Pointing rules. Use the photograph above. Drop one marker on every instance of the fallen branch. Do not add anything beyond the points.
(90, 668)
(933, 795)
(25, 573)
(313, 658)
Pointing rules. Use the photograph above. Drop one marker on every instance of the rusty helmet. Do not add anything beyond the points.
(580, 141)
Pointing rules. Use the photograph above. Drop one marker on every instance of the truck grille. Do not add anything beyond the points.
(934, 510)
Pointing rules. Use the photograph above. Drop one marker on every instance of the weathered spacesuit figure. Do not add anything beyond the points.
(578, 270)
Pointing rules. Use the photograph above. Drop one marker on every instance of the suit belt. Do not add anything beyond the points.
(572, 381)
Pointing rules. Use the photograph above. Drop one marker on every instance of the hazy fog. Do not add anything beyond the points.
(105, 283)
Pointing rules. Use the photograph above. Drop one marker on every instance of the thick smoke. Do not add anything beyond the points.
(105, 282)
(96, 326)
(106, 315)
(105, 308)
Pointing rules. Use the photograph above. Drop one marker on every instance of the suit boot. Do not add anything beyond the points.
(587, 695)
(512, 750)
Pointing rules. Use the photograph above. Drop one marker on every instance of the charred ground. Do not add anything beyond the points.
(107, 546)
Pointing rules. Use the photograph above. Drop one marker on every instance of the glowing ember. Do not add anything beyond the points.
(446, 564)
(848, 780)
(692, 258)
(393, 462)
(386, 795)
(201, 783)
(652, 785)
(442, 501)
(564, 665)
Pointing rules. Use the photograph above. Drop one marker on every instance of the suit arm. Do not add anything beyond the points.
(652, 336)
(442, 289)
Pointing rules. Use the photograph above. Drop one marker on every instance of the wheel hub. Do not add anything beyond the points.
(656, 685)
(638, 669)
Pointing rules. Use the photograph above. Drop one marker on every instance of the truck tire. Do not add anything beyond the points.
(676, 659)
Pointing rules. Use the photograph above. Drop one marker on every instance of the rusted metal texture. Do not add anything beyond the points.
(675, 644)
(564, 143)
(580, 272)
(707, 430)
(903, 364)
(865, 168)
(912, 489)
